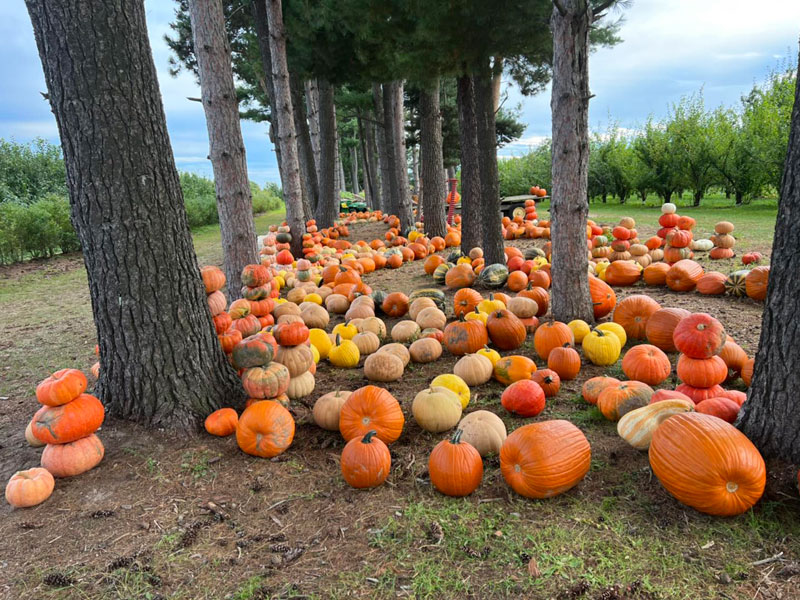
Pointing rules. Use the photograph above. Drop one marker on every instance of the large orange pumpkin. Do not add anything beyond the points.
(513, 368)
(656, 273)
(524, 398)
(545, 459)
(465, 300)
(265, 429)
(460, 276)
(712, 283)
(633, 313)
(395, 304)
(553, 334)
(684, 275)
(646, 363)
(368, 408)
(603, 297)
(699, 336)
(735, 358)
(365, 461)
(465, 337)
(505, 330)
(756, 283)
(68, 460)
(702, 372)
(68, 422)
(622, 273)
(617, 400)
(661, 325)
(707, 464)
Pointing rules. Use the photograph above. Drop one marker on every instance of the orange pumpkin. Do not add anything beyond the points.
(565, 361)
(465, 337)
(548, 380)
(684, 275)
(618, 400)
(395, 304)
(622, 273)
(698, 394)
(633, 313)
(734, 357)
(553, 334)
(433, 261)
(538, 295)
(722, 408)
(542, 460)
(505, 329)
(646, 363)
(513, 368)
(517, 281)
(460, 276)
(707, 464)
(603, 297)
(365, 461)
(465, 300)
(702, 372)
(68, 460)
(213, 278)
(265, 429)
(756, 283)
(699, 336)
(747, 371)
(68, 422)
(371, 408)
(29, 488)
(61, 387)
(661, 325)
(592, 388)
(455, 467)
(222, 422)
(656, 273)
(712, 283)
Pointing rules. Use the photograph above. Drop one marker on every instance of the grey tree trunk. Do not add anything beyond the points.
(451, 172)
(497, 80)
(417, 189)
(435, 192)
(128, 212)
(340, 164)
(770, 417)
(354, 169)
(493, 252)
(312, 107)
(404, 211)
(393, 204)
(287, 140)
(471, 215)
(368, 162)
(568, 205)
(383, 150)
(308, 168)
(226, 146)
(328, 207)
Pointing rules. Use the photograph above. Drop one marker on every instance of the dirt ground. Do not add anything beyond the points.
(184, 515)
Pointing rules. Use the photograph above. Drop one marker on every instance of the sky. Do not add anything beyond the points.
(670, 48)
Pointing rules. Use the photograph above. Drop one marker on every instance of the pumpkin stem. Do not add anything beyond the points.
(456, 439)
(338, 339)
(367, 439)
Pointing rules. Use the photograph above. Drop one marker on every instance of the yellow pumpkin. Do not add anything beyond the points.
(436, 409)
(490, 353)
(489, 305)
(601, 347)
(346, 330)
(580, 329)
(344, 354)
(315, 354)
(321, 341)
(455, 384)
(315, 298)
(617, 330)
(477, 315)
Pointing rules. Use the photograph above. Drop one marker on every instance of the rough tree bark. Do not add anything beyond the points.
(127, 209)
(417, 189)
(312, 107)
(384, 163)
(341, 183)
(287, 139)
(770, 417)
(368, 161)
(387, 95)
(568, 205)
(226, 146)
(328, 207)
(354, 169)
(404, 211)
(471, 217)
(435, 192)
(493, 252)
(308, 168)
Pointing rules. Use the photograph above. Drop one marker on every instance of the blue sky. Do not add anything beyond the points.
(670, 48)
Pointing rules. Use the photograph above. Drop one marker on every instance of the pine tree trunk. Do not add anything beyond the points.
(340, 178)
(471, 214)
(435, 192)
(128, 212)
(287, 140)
(226, 146)
(328, 207)
(382, 151)
(404, 211)
(493, 252)
(354, 169)
(417, 189)
(568, 206)
(387, 96)
(770, 417)
(308, 169)
(312, 107)
(367, 158)
(497, 80)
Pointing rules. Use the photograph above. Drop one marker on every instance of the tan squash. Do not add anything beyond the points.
(327, 408)
(523, 307)
(431, 317)
(298, 359)
(483, 430)
(383, 366)
(637, 426)
(285, 308)
(405, 331)
(474, 369)
(418, 305)
(337, 304)
(367, 343)
(425, 350)
(301, 385)
(290, 319)
(399, 350)
(436, 409)
(314, 315)
(374, 325)
(359, 311)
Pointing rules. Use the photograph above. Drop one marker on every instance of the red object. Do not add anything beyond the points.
(451, 201)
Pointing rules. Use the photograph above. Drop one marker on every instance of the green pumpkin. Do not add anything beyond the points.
(378, 296)
(531, 253)
(454, 256)
(735, 285)
(436, 295)
(493, 276)
(441, 271)
(284, 238)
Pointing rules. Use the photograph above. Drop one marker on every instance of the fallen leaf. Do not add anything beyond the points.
(533, 568)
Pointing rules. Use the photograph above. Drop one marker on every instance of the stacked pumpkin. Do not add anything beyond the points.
(262, 377)
(723, 241)
(294, 352)
(65, 426)
(677, 233)
(214, 281)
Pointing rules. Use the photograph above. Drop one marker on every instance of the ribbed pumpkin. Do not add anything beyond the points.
(254, 351)
(603, 297)
(68, 422)
(460, 276)
(29, 487)
(637, 426)
(736, 283)
(756, 283)
(699, 336)
(327, 408)
(465, 337)
(539, 295)
(661, 325)
(493, 276)
(592, 388)
(505, 330)
(712, 283)
(542, 460)
(265, 429)
(368, 408)
(617, 400)
(465, 301)
(722, 408)
(553, 334)
(734, 358)
(474, 369)
(365, 461)
(707, 464)
(455, 467)
(513, 368)
(698, 394)
(565, 361)
(395, 304)
(747, 371)
(646, 363)
(702, 372)
(268, 381)
(484, 430)
(633, 313)
(62, 386)
(656, 274)
(524, 398)
(684, 275)
(68, 460)
(549, 381)
(623, 273)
